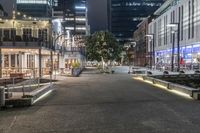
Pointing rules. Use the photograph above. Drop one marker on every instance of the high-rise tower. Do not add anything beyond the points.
(125, 15)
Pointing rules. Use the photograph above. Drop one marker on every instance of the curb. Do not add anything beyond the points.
(192, 92)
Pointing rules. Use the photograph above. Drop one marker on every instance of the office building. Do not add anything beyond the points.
(35, 8)
(125, 15)
(142, 56)
(71, 16)
(8, 10)
(177, 34)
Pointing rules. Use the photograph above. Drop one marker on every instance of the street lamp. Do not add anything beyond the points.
(174, 25)
(152, 49)
(130, 46)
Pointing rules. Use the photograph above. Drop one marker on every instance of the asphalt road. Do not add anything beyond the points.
(101, 103)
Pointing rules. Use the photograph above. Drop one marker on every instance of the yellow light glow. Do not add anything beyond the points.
(160, 86)
(165, 88)
(138, 78)
(181, 93)
(44, 95)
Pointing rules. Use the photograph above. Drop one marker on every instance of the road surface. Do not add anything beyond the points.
(103, 103)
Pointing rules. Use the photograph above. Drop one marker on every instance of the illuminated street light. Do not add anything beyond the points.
(149, 35)
(174, 25)
(152, 49)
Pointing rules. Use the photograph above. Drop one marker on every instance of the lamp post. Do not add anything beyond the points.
(173, 47)
(152, 49)
(173, 25)
(129, 47)
(133, 44)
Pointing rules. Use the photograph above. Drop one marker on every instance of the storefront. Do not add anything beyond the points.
(26, 61)
(189, 57)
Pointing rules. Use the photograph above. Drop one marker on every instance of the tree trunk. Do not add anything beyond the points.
(103, 64)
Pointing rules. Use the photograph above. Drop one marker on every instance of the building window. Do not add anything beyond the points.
(42, 34)
(27, 34)
(155, 33)
(13, 34)
(172, 21)
(193, 18)
(189, 30)
(6, 60)
(182, 16)
(12, 60)
(1, 35)
(179, 19)
(159, 33)
(30, 61)
(165, 30)
(17, 56)
(6, 35)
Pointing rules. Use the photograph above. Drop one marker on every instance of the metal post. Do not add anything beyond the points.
(0, 63)
(38, 82)
(178, 46)
(151, 51)
(51, 71)
(13, 79)
(58, 62)
(23, 92)
(30, 83)
(40, 64)
(153, 43)
(172, 60)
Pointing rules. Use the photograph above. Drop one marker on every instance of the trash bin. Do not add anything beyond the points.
(2, 97)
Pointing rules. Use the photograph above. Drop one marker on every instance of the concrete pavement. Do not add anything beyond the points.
(103, 103)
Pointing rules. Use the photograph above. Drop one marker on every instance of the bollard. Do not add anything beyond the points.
(2, 97)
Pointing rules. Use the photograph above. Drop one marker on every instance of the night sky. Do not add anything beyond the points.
(97, 13)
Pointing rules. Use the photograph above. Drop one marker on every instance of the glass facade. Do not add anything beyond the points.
(35, 8)
(190, 56)
(125, 15)
(76, 17)
(185, 16)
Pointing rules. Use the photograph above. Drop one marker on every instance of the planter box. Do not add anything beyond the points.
(195, 93)
(30, 99)
(76, 72)
(23, 102)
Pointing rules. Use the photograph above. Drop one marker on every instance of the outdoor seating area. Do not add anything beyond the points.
(17, 75)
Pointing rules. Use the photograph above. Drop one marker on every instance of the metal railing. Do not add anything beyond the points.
(27, 72)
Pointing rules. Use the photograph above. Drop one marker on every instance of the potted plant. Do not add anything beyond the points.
(76, 69)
